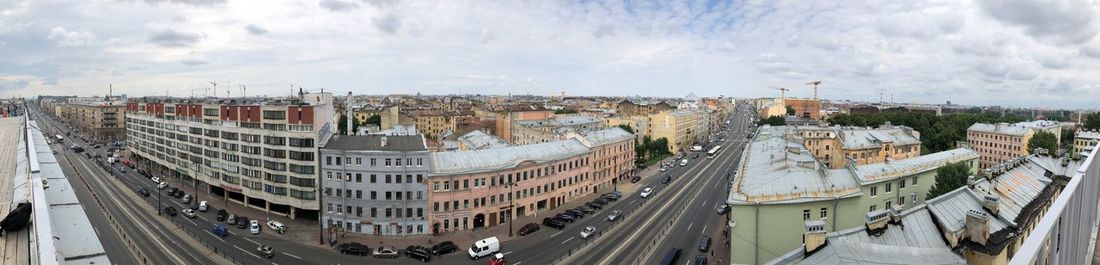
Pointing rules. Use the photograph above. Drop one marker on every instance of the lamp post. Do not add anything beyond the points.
(618, 172)
(511, 207)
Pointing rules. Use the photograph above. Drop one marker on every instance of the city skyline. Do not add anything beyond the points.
(976, 53)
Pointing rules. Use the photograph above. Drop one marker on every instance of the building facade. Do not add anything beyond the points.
(631, 108)
(807, 108)
(1084, 142)
(374, 184)
(553, 128)
(261, 154)
(103, 122)
(1001, 142)
(681, 128)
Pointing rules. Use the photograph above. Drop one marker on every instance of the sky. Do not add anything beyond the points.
(1027, 53)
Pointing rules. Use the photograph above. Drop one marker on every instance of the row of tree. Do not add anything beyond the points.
(938, 133)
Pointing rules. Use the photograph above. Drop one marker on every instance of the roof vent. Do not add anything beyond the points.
(383, 141)
(876, 222)
(991, 203)
(895, 214)
(977, 226)
(813, 237)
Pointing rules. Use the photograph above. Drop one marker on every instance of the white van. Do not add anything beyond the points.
(683, 162)
(484, 247)
(202, 206)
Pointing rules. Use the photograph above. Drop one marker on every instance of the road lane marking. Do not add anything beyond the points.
(689, 227)
(704, 204)
(632, 202)
(517, 263)
(247, 252)
(506, 253)
(559, 232)
(250, 240)
(704, 228)
(567, 240)
(215, 236)
(292, 255)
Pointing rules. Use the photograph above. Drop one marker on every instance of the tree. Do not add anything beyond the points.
(1092, 121)
(790, 111)
(375, 119)
(1042, 139)
(774, 121)
(948, 178)
(627, 128)
(565, 111)
(938, 133)
(1067, 138)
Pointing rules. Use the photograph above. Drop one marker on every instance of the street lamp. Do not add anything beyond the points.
(618, 172)
(511, 207)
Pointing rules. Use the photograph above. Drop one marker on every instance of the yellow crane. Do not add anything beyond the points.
(782, 93)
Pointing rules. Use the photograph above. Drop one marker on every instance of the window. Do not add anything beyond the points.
(373, 162)
(914, 181)
(806, 215)
(874, 191)
(824, 213)
(902, 186)
(873, 208)
(901, 201)
(913, 197)
(388, 162)
(888, 187)
(888, 204)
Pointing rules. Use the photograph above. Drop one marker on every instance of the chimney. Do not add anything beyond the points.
(813, 237)
(895, 214)
(991, 203)
(876, 220)
(977, 226)
(383, 141)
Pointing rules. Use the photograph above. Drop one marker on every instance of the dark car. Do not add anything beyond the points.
(666, 179)
(704, 244)
(144, 192)
(353, 249)
(700, 260)
(596, 206)
(570, 214)
(671, 256)
(528, 229)
(576, 213)
(170, 211)
(420, 253)
(222, 214)
(723, 209)
(242, 222)
(172, 191)
(444, 248)
(565, 217)
(635, 179)
(553, 223)
(586, 209)
(695, 156)
(603, 200)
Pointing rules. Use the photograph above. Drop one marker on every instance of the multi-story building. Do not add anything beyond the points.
(780, 185)
(483, 188)
(680, 127)
(837, 146)
(1084, 142)
(553, 128)
(612, 156)
(638, 123)
(102, 121)
(506, 119)
(807, 108)
(258, 153)
(1001, 142)
(628, 107)
(374, 184)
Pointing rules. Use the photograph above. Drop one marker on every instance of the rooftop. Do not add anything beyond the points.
(373, 142)
(477, 139)
(1083, 134)
(861, 138)
(774, 169)
(561, 121)
(1018, 129)
(606, 136)
(485, 160)
(892, 169)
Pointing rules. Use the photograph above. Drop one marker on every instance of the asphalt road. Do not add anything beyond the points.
(698, 188)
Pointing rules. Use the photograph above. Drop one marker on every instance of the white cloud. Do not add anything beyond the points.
(66, 38)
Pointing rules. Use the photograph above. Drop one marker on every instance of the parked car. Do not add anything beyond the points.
(265, 251)
(203, 206)
(180, 193)
(553, 223)
(242, 222)
(528, 229)
(565, 217)
(155, 179)
(276, 226)
(444, 248)
(663, 169)
(699, 260)
(576, 213)
(666, 179)
(254, 227)
(723, 209)
(385, 252)
(671, 256)
(594, 205)
(694, 156)
(219, 230)
(614, 215)
(588, 232)
(586, 209)
(232, 219)
(162, 185)
(602, 201)
(420, 253)
(189, 213)
(144, 192)
(222, 214)
(187, 198)
(635, 179)
(646, 192)
(172, 191)
(353, 249)
(704, 244)
(170, 211)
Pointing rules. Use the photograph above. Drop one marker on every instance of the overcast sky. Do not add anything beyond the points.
(1022, 53)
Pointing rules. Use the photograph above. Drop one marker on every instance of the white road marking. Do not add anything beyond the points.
(689, 227)
(192, 222)
(632, 202)
(247, 252)
(204, 218)
(559, 232)
(517, 263)
(250, 240)
(715, 205)
(704, 228)
(704, 204)
(292, 256)
(567, 240)
(215, 236)
(506, 253)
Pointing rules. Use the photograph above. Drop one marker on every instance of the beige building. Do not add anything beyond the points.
(505, 120)
(1001, 142)
(839, 146)
(640, 125)
(553, 128)
(103, 122)
(680, 128)
(770, 107)
(628, 108)
(1085, 141)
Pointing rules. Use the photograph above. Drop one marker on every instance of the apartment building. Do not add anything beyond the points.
(374, 184)
(553, 128)
(807, 108)
(260, 153)
(628, 107)
(484, 188)
(1085, 141)
(1001, 142)
(506, 119)
(681, 128)
(838, 146)
(612, 156)
(102, 121)
(640, 125)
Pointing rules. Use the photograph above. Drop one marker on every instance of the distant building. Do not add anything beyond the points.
(680, 127)
(102, 121)
(778, 180)
(628, 107)
(839, 146)
(806, 108)
(1085, 141)
(1000, 142)
(553, 128)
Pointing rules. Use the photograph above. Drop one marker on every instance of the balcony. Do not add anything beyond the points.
(1065, 233)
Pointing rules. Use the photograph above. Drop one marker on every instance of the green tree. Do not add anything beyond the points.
(774, 121)
(1067, 138)
(1092, 121)
(627, 128)
(1042, 139)
(790, 111)
(565, 111)
(343, 124)
(948, 178)
(375, 119)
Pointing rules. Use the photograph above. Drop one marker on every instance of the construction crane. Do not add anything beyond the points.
(782, 93)
(214, 89)
(815, 83)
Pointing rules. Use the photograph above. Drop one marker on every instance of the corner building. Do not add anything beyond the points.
(260, 153)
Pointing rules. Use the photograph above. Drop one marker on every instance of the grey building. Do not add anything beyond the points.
(374, 184)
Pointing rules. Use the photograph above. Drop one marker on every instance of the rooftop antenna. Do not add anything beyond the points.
(214, 88)
(243, 95)
(227, 86)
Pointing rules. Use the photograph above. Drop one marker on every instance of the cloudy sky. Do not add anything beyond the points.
(1021, 52)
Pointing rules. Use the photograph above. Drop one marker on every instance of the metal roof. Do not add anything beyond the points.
(606, 136)
(477, 139)
(1088, 135)
(892, 169)
(561, 121)
(950, 210)
(770, 173)
(1018, 129)
(373, 142)
(476, 161)
(862, 138)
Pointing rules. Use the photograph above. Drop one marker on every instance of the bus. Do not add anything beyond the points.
(60, 139)
(713, 151)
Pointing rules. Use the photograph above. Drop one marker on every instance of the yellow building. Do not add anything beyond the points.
(838, 146)
(1085, 141)
(640, 125)
(679, 127)
(770, 107)
(1001, 142)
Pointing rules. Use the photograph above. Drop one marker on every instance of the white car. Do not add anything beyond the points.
(189, 213)
(588, 231)
(254, 226)
(663, 169)
(276, 226)
(162, 185)
(156, 179)
(646, 192)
